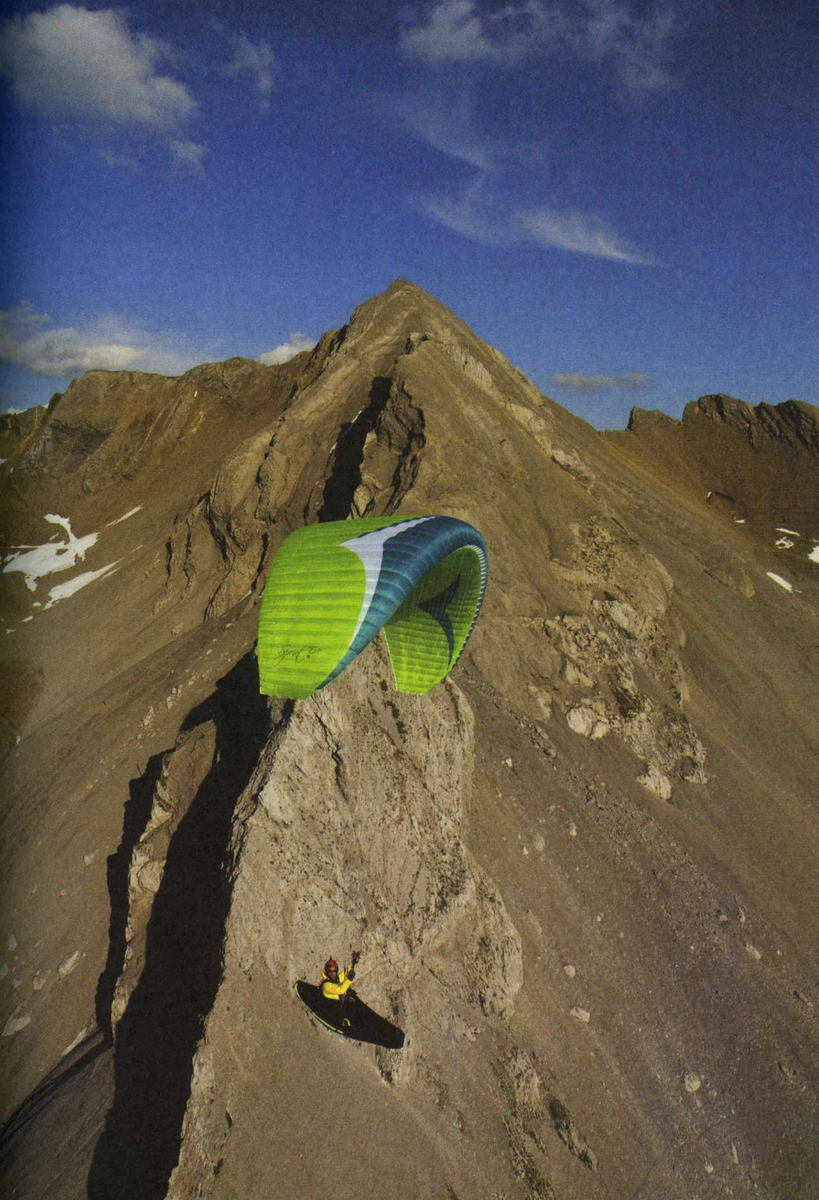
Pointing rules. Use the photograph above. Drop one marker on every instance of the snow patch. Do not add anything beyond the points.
(80, 1036)
(36, 561)
(814, 554)
(63, 590)
(785, 543)
(783, 583)
(132, 513)
(792, 532)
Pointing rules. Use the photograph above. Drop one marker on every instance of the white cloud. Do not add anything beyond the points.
(580, 233)
(446, 123)
(482, 216)
(110, 343)
(255, 58)
(455, 32)
(281, 354)
(632, 36)
(71, 60)
(187, 154)
(474, 213)
(119, 161)
(630, 380)
(637, 45)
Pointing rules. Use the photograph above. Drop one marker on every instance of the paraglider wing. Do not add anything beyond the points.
(333, 586)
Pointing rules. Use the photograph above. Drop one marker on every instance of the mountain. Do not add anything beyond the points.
(581, 872)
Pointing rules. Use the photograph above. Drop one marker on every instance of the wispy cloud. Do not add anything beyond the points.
(281, 354)
(446, 123)
(73, 62)
(636, 41)
(581, 233)
(633, 37)
(188, 154)
(110, 343)
(256, 60)
(454, 31)
(483, 213)
(630, 381)
(499, 207)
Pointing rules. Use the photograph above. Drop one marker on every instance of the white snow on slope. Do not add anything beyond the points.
(63, 590)
(783, 583)
(132, 513)
(785, 543)
(36, 561)
(792, 532)
(814, 554)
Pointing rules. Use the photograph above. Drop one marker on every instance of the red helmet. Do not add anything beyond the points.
(330, 966)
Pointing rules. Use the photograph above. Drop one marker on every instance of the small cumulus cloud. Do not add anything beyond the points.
(256, 60)
(77, 63)
(577, 382)
(281, 354)
(110, 343)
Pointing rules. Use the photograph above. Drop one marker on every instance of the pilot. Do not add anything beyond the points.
(336, 984)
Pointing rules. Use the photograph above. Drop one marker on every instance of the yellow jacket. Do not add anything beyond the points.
(334, 991)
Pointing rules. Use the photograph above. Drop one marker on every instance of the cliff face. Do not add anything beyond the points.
(581, 871)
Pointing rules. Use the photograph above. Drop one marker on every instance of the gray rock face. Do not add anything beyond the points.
(581, 872)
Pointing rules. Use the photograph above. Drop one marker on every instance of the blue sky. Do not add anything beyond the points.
(621, 195)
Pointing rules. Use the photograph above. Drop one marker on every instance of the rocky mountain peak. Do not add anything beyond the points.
(581, 871)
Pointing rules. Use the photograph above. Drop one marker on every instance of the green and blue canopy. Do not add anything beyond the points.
(333, 586)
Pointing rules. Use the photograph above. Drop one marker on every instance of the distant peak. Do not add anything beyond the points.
(640, 418)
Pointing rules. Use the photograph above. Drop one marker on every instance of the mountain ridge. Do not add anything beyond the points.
(565, 866)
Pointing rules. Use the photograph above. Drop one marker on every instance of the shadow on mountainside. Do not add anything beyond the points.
(135, 820)
(159, 1031)
(345, 476)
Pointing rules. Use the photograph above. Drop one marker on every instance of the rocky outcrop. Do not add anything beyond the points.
(373, 857)
(794, 423)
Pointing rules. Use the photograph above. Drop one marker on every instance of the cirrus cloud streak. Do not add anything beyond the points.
(480, 215)
(578, 382)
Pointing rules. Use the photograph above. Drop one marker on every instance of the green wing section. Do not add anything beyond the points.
(333, 586)
(428, 631)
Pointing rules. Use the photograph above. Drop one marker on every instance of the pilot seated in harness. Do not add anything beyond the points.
(336, 984)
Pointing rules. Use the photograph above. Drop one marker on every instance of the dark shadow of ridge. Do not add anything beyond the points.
(164, 1021)
(135, 819)
(346, 473)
